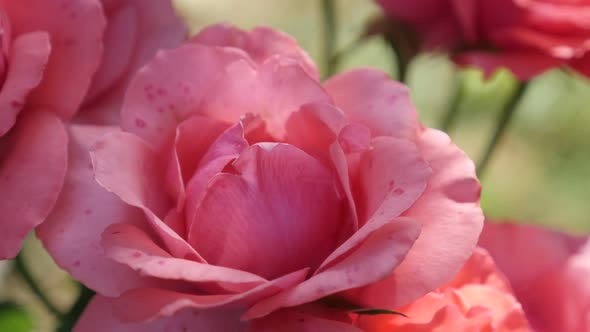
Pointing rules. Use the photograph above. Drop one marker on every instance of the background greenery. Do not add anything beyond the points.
(540, 174)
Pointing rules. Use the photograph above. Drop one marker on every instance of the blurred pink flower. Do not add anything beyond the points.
(242, 186)
(549, 272)
(479, 299)
(525, 36)
(57, 56)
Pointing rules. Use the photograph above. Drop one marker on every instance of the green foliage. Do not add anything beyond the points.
(13, 318)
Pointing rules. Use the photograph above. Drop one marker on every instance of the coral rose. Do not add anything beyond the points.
(240, 186)
(52, 62)
(479, 299)
(525, 36)
(549, 272)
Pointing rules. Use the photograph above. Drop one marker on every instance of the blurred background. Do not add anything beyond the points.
(539, 174)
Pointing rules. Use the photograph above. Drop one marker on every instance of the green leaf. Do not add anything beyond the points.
(338, 303)
(375, 311)
(13, 318)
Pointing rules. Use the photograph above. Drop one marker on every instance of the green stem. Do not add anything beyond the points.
(27, 276)
(402, 65)
(329, 14)
(505, 117)
(336, 57)
(70, 319)
(453, 107)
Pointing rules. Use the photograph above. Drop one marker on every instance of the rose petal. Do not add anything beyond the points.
(76, 29)
(128, 47)
(482, 270)
(152, 110)
(119, 38)
(274, 90)
(433, 312)
(32, 172)
(72, 232)
(294, 321)
(512, 245)
(28, 56)
(450, 216)
(524, 65)
(555, 17)
(255, 129)
(226, 148)
(313, 128)
(369, 97)
(193, 138)
(6, 29)
(373, 260)
(126, 166)
(151, 303)
(340, 165)
(279, 193)
(522, 38)
(417, 11)
(552, 290)
(392, 177)
(98, 317)
(442, 33)
(193, 72)
(354, 138)
(136, 31)
(505, 311)
(261, 43)
(466, 12)
(131, 246)
(175, 220)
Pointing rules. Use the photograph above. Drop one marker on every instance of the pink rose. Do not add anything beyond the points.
(478, 299)
(526, 36)
(549, 272)
(52, 62)
(241, 186)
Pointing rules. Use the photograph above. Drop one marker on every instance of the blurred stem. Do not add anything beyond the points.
(402, 64)
(500, 130)
(27, 276)
(70, 319)
(337, 56)
(329, 20)
(452, 112)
